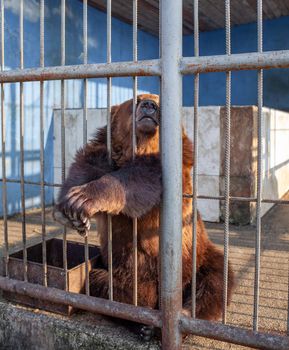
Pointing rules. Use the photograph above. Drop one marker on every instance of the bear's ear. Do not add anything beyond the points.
(113, 112)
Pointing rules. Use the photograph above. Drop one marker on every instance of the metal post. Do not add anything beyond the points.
(3, 135)
(227, 164)
(134, 149)
(259, 172)
(22, 186)
(63, 161)
(86, 247)
(171, 152)
(195, 174)
(42, 177)
(109, 151)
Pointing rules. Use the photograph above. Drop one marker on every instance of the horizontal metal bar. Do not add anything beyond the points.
(48, 184)
(218, 198)
(235, 62)
(240, 199)
(235, 335)
(188, 65)
(82, 71)
(84, 302)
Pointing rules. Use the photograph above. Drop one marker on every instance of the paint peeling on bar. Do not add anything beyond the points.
(188, 65)
(239, 199)
(235, 335)
(82, 71)
(84, 302)
(235, 62)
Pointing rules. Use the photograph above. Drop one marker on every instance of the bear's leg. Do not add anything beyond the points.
(147, 296)
(98, 283)
(209, 288)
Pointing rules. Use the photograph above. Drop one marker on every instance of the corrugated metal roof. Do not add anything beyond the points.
(211, 12)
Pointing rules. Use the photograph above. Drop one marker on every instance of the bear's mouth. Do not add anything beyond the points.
(149, 119)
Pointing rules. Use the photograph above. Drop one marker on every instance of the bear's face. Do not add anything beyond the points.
(147, 115)
(147, 119)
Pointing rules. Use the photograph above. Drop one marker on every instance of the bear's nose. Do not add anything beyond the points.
(148, 107)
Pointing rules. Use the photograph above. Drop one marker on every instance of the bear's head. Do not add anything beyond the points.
(147, 120)
(147, 125)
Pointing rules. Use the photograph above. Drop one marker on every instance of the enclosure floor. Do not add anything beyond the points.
(273, 278)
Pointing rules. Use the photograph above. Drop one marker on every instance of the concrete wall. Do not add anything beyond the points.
(209, 153)
(209, 157)
(275, 154)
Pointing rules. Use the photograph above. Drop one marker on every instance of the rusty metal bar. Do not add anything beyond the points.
(288, 301)
(196, 159)
(109, 151)
(42, 178)
(22, 186)
(227, 162)
(3, 136)
(84, 302)
(188, 65)
(63, 160)
(84, 125)
(160, 104)
(26, 182)
(239, 199)
(232, 198)
(236, 62)
(82, 71)
(259, 172)
(235, 335)
(134, 150)
(171, 155)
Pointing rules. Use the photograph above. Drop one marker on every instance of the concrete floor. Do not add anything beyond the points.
(273, 278)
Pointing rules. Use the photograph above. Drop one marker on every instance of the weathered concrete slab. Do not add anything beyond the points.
(26, 329)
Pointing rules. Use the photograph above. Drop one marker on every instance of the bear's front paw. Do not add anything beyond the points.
(75, 209)
(81, 226)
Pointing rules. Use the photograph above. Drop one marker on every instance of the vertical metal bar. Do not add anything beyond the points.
(134, 150)
(288, 300)
(22, 186)
(3, 135)
(42, 179)
(259, 171)
(171, 153)
(195, 173)
(63, 132)
(227, 163)
(160, 84)
(109, 220)
(86, 248)
(85, 80)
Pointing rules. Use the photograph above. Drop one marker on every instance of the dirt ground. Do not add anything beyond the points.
(273, 308)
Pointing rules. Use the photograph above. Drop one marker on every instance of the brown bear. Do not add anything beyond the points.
(130, 188)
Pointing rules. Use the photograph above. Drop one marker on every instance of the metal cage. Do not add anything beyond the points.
(170, 67)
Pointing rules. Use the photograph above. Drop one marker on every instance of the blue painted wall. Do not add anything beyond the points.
(97, 88)
(244, 83)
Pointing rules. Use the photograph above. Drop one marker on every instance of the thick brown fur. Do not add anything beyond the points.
(127, 188)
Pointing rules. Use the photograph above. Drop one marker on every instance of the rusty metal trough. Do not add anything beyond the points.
(55, 271)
